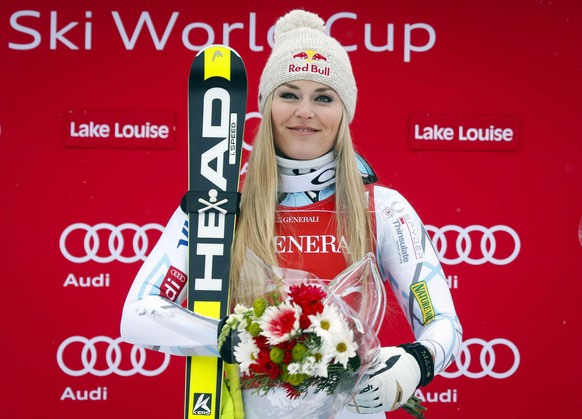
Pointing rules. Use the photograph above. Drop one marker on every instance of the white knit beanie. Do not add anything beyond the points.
(303, 51)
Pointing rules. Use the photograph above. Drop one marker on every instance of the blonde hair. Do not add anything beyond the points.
(256, 225)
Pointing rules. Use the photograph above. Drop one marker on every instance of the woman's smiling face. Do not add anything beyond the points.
(306, 117)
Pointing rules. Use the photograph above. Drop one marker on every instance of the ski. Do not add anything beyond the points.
(217, 92)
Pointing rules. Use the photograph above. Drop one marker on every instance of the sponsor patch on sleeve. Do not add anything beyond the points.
(173, 283)
(408, 238)
(420, 292)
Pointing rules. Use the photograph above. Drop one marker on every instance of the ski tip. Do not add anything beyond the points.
(217, 46)
(217, 61)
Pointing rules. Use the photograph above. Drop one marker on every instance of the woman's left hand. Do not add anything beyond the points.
(391, 383)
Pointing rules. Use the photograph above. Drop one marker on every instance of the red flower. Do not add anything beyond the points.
(309, 298)
(264, 365)
(287, 347)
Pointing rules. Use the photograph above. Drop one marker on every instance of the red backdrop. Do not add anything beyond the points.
(83, 203)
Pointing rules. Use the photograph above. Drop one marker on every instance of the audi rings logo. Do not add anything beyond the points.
(498, 358)
(104, 243)
(475, 244)
(103, 356)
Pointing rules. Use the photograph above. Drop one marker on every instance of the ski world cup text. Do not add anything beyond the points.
(211, 224)
(75, 31)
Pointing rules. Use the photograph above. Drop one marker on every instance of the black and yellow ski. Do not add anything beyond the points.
(217, 93)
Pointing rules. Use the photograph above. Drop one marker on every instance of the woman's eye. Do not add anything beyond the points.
(287, 95)
(324, 98)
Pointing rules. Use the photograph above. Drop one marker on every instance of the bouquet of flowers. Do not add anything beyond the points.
(304, 344)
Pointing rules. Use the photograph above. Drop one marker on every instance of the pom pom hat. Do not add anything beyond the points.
(303, 51)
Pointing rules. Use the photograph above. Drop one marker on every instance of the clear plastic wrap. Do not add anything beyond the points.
(303, 346)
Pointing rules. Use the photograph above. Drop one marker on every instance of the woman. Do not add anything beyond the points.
(305, 180)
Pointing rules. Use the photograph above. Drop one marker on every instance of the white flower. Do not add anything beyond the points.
(314, 368)
(308, 366)
(341, 346)
(321, 360)
(337, 338)
(294, 368)
(328, 322)
(239, 317)
(241, 309)
(246, 352)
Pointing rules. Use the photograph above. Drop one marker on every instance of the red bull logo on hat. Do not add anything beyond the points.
(312, 62)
